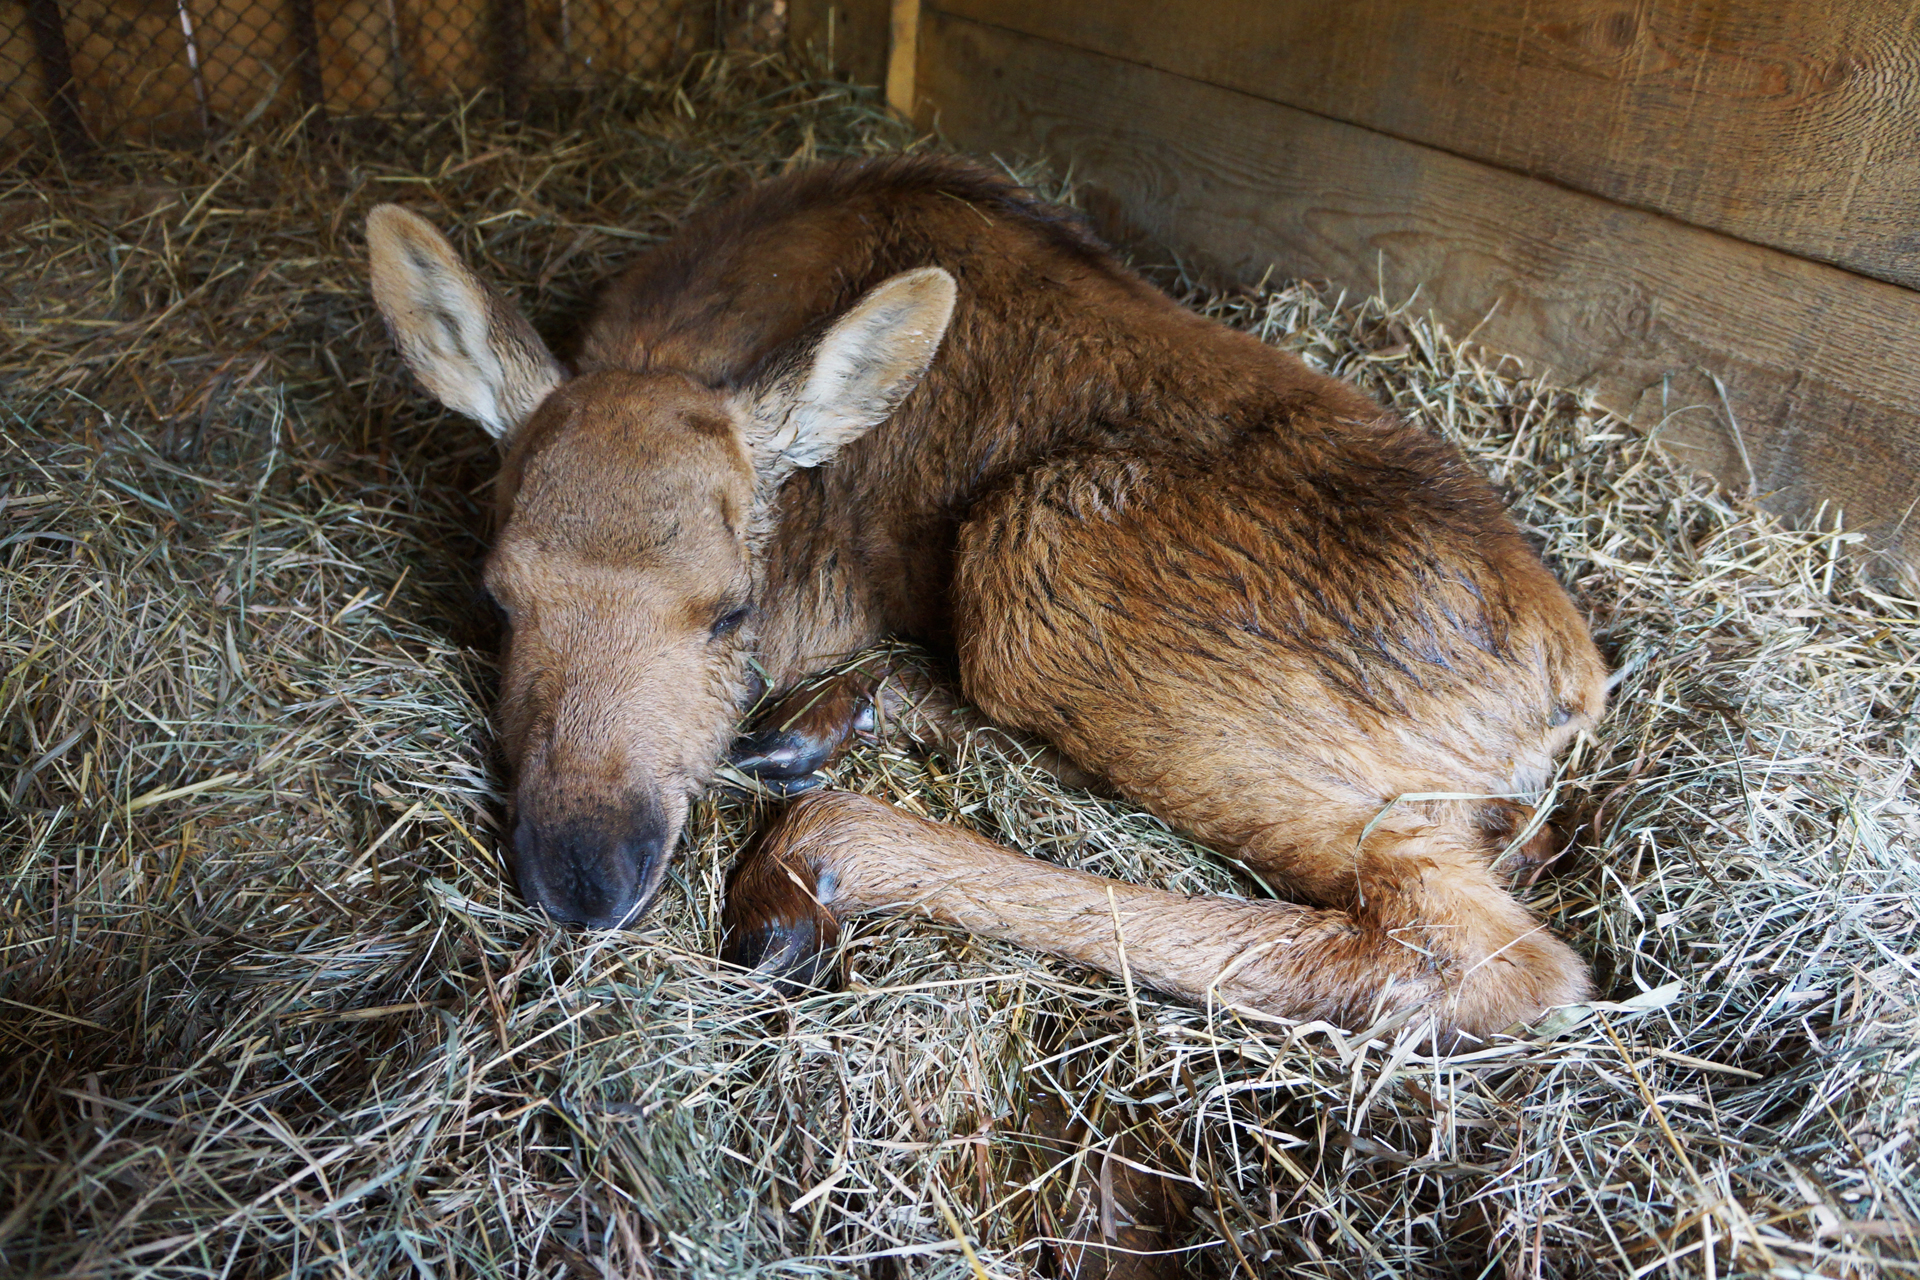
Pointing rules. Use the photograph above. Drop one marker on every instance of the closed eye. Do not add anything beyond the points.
(493, 606)
(729, 622)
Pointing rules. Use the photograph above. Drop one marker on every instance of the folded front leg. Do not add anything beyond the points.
(808, 730)
(812, 727)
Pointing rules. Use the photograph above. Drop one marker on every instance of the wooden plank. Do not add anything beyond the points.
(851, 37)
(569, 40)
(903, 56)
(1791, 123)
(509, 48)
(1818, 365)
(33, 51)
(305, 23)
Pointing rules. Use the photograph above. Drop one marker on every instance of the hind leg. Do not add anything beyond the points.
(1150, 643)
(1281, 697)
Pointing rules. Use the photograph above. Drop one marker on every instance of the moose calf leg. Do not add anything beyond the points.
(810, 728)
(1432, 932)
(807, 730)
(836, 854)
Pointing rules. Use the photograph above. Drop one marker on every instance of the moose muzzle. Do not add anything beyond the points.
(599, 869)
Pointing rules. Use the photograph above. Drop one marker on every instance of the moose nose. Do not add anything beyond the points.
(600, 874)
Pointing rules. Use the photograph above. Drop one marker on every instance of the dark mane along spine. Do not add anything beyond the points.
(892, 181)
(976, 184)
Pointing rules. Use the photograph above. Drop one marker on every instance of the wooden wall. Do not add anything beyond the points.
(1707, 210)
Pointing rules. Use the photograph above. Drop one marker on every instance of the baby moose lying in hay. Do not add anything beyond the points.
(903, 397)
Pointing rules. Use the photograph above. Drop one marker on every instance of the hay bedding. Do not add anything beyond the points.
(267, 1007)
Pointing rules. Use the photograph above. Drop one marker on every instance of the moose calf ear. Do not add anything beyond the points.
(469, 346)
(854, 378)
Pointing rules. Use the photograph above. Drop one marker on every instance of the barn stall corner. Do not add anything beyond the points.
(268, 1005)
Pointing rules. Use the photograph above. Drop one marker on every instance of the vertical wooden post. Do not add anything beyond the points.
(56, 68)
(903, 60)
(397, 51)
(313, 92)
(510, 53)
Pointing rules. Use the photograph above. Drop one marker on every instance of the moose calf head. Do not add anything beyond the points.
(632, 506)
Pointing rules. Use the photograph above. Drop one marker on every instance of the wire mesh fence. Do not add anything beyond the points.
(74, 73)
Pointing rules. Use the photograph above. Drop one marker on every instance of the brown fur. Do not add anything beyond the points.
(1235, 589)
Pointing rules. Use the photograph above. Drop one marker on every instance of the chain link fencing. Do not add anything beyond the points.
(77, 73)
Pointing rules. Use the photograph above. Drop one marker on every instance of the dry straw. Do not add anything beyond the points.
(267, 1008)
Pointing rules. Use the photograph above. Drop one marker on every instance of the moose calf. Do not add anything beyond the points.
(903, 397)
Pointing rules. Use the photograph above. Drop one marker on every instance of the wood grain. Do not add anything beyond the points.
(1791, 123)
(1817, 365)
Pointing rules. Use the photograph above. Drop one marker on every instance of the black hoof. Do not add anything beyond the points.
(778, 788)
(779, 755)
(787, 788)
(790, 956)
